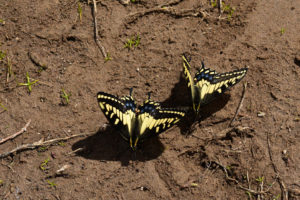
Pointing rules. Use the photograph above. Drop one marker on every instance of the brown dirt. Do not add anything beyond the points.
(173, 166)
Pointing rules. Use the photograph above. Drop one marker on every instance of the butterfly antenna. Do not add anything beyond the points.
(130, 91)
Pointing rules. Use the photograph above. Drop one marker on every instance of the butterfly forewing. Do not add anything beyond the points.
(191, 84)
(119, 112)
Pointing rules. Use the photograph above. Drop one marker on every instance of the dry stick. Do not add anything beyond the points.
(240, 105)
(41, 143)
(167, 10)
(220, 7)
(96, 30)
(16, 134)
(283, 188)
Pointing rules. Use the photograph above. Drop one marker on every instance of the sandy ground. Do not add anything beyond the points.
(47, 39)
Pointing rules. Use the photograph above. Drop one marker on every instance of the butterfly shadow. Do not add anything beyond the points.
(181, 98)
(108, 145)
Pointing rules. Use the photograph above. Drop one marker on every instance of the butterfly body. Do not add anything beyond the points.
(208, 83)
(137, 123)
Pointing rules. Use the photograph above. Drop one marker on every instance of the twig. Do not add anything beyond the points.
(16, 134)
(41, 143)
(284, 191)
(240, 105)
(76, 150)
(220, 7)
(96, 36)
(164, 8)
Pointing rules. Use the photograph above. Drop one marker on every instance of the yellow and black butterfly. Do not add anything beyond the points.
(207, 83)
(137, 123)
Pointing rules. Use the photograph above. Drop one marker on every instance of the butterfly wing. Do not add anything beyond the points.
(191, 84)
(120, 112)
(153, 120)
(209, 83)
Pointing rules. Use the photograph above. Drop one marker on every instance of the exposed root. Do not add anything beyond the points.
(16, 134)
(41, 143)
(96, 36)
(166, 9)
(240, 105)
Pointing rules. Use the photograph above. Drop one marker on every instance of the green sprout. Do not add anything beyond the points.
(229, 10)
(44, 164)
(65, 96)
(62, 144)
(213, 3)
(2, 55)
(79, 10)
(51, 183)
(133, 1)
(2, 21)
(108, 57)
(42, 149)
(29, 83)
(276, 197)
(137, 41)
(134, 41)
(282, 31)
(260, 179)
(2, 106)
(1, 182)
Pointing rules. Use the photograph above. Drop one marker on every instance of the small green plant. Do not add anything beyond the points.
(282, 31)
(29, 83)
(2, 21)
(1, 182)
(137, 41)
(134, 41)
(42, 149)
(260, 179)
(133, 1)
(2, 55)
(62, 144)
(213, 3)
(229, 10)
(79, 10)
(65, 96)
(44, 164)
(51, 183)
(276, 197)
(108, 57)
(2, 106)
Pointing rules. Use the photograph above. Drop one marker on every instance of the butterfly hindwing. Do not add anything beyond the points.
(209, 83)
(120, 112)
(153, 119)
